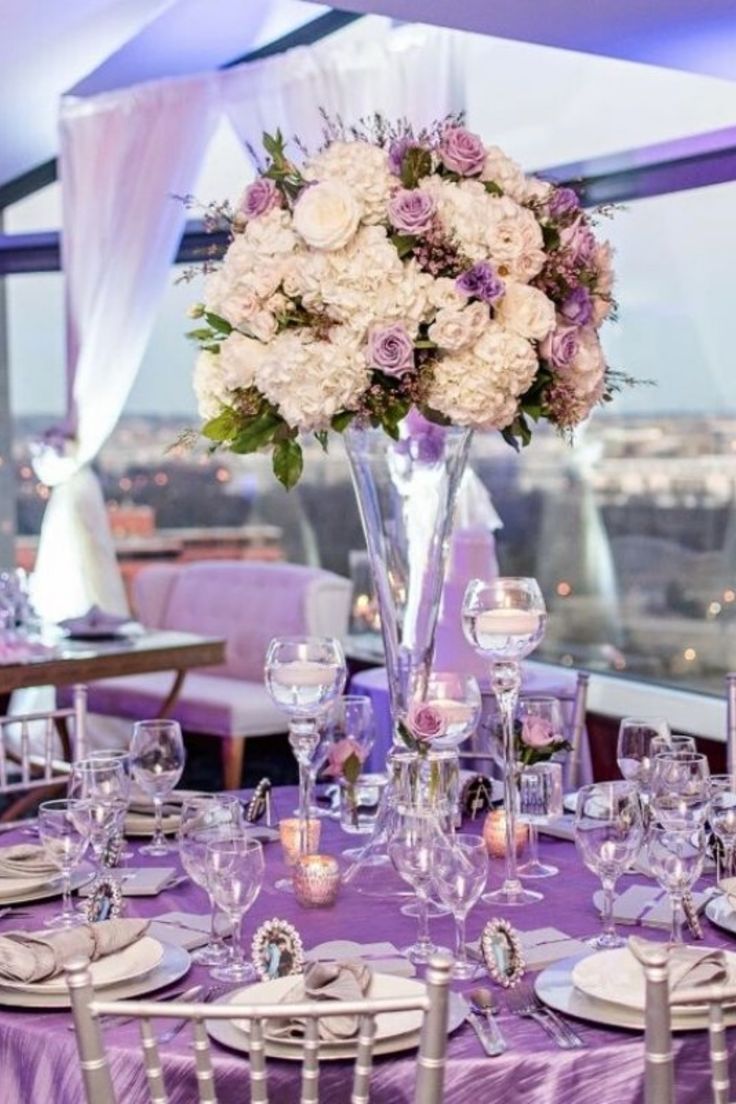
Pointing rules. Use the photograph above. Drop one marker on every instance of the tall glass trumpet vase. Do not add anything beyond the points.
(504, 620)
(304, 676)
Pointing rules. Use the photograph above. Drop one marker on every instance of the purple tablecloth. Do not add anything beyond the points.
(38, 1056)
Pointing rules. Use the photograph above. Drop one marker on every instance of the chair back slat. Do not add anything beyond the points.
(430, 1077)
(364, 1061)
(92, 1058)
(731, 722)
(577, 730)
(48, 748)
(152, 1063)
(257, 1059)
(658, 1061)
(29, 759)
(79, 708)
(25, 753)
(203, 1065)
(720, 1081)
(310, 1063)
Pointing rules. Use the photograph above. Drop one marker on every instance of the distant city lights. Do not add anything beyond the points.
(564, 589)
(689, 654)
(222, 475)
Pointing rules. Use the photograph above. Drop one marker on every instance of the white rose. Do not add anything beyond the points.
(363, 168)
(209, 385)
(240, 304)
(536, 191)
(527, 311)
(238, 359)
(262, 325)
(515, 241)
(456, 329)
(443, 293)
(326, 215)
(587, 369)
(504, 172)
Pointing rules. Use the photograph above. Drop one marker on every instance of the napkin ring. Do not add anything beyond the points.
(105, 901)
(277, 950)
(501, 951)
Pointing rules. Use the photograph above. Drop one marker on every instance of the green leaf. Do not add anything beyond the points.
(222, 426)
(221, 325)
(415, 164)
(213, 348)
(274, 144)
(323, 437)
(258, 432)
(200, 335)
(509, 438)
(551, 237)
(351, 768)
(342, 420)
(288, 462)
(425, 343)
(492, 188)
(404, 244)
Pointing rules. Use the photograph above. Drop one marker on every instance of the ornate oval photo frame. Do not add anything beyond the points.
(502, 953)
(277, 950)
(105, 901)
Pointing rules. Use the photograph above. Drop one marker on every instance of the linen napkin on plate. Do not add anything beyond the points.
(38, 956)
(26, 860)
(96, 620)
(687, 966)
(326, 981)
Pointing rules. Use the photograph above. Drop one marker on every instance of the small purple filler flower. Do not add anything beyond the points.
(578, 307)
(397, 151)
(481, 282)
(411, 211)
(560, 347)
(562, 202)
(260, 197)
(462, 151)
(391, 350)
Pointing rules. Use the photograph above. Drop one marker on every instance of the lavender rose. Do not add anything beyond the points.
(425, 722)
(561, 346)
(411, 211)
(398, 150)
(481, 282)
(578, 307)
(562, 202)
(345, 755)
(537, 732)
(461, 151)
(391, 350)
(259, 198)
(578, 241)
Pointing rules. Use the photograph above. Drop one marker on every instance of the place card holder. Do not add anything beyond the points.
(260, 803)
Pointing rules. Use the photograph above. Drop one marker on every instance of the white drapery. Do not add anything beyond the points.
(123, 156)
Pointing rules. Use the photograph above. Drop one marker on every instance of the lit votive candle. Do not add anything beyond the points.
(316, 881)
(494, 834)
(289, 836)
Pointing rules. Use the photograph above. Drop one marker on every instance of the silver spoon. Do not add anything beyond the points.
(483, 1003)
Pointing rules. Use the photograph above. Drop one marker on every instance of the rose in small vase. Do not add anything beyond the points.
(424, 723)
(345, 763)
(537, 740)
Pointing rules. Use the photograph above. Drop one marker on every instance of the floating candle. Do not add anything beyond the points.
(303, 672)
(507, 622)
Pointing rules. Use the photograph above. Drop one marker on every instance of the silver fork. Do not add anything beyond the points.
(576, 1040)
(212, 993)
(523, 1002)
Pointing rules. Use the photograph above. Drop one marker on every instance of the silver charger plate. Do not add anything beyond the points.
(719, 912)
(228, 1035)
(50, 889)
(175, 963)
(554, 986)
(261, 832)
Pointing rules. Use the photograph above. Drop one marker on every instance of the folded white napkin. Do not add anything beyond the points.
(31, 956)
(26, 860)
(95, 619)
(648, 905)
(326, 981)
(686, 966)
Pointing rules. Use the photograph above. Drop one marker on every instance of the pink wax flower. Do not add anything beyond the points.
(260, 197)
(461, 151)
(338, 759)
(425, 722)
(537, 732)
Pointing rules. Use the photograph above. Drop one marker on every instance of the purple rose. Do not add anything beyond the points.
(411, 211)
(578, 241)
(562, 202)
(481, 282)
(398, 150)
(260, 197)
(461, 151)
(391, 350)
(578, 307)
(561, 346)
(425, 722)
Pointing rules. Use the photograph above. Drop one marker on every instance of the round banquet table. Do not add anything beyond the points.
(38, 1056)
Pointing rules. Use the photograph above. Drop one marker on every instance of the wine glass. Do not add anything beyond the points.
(673, 742)
(722, 816)
(105, 787)
(456, 697)
(123, 757)
(608, 834)
(157, 762)
(634, 753)
(411, 849)
(504, 620)
(680, 789)
(459, 872)
(540, 797)
(304, 675)
(206, 819)
(64, 830)
(235, 871)
(676, 858)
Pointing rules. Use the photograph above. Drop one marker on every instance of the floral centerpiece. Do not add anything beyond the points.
(391, 271)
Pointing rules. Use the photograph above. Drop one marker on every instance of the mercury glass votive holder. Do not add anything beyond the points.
(316, 881)
(289, 836)
(494, 834)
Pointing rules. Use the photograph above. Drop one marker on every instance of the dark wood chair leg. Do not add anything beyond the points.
(233, 755)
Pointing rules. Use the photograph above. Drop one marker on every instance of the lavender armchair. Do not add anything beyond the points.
(246, 604)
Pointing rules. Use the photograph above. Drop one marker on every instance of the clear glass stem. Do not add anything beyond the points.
(461, 955)
(303, 738)
(506, 682)
(216, 940)
(609, 896)
(676, 927)
(727, 859)
(423, 939)
(238, 956)
(533, 842)
(66, 892)
(158, 832)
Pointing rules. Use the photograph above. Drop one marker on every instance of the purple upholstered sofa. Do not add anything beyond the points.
(246, 604)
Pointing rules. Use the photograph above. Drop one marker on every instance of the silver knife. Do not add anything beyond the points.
(492, 1046)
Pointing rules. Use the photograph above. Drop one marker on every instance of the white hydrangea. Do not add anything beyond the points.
(455, 329)
(238, 358)
(363, 168)
(210, 389)
(309, 380)
(268, 235)
(463, 213)
(505, 173)
(444, 293)
(526, 311)
(480, 387)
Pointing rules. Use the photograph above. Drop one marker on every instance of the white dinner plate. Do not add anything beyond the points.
(11, 887)
(554, 986)
(131, 962)
(174, 964)
(719, 912)
(49, 889)
(617, 977)
(226, 1033)
(143, 826)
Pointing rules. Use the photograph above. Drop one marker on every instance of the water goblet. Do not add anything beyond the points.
(634, 752)
(722, 817)
(304, 675)
(679, 789)
(674, 742)
(504, 620)
(350, 718)
(157, 762)
(235, 871)
(64, 830)
(206, 819)
(608, 834)
(676, 857)
(540, 797)
(410, 849)
(459, 872)
(103, 784)
(123, 757)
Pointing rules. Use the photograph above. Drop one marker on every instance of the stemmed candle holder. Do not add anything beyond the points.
(504, 620)
(304, 675)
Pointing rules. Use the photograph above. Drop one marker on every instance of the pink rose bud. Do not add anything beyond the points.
(425, 722)
(537, 732)
(338, 755)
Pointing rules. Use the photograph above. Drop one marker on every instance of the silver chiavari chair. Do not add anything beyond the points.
(36, 752)
(99, 1089)
(659, 1078)
(731, 723)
